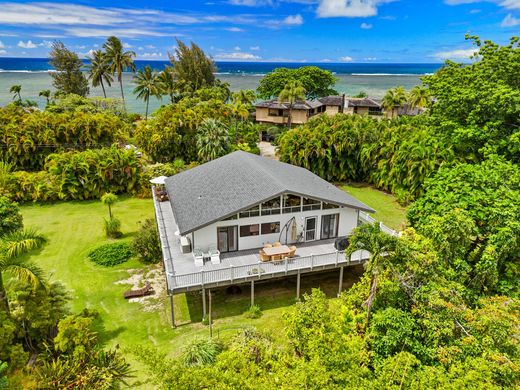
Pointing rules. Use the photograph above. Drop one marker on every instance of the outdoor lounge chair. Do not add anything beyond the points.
(198, 256)
(214, 255)
(292, 252)
(277, 243)
(263, 256)
(267, 245)
(146, 290)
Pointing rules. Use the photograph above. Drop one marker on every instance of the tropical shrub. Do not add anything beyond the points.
(10, 217)
(146, 244)
(27, 138)
(112, 227)
(253, 312)
(212, 140)
(109, 255)
(201, 351)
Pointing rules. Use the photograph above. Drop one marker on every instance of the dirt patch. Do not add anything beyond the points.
(139, 277)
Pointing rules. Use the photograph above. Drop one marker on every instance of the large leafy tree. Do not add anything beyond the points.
(146, 85)
(167, 83)
(317, 82)
(118, 60)
(99, 73)
(68, 77)
(292, 93)
(212, 140)
(192, 69)
(477, 105)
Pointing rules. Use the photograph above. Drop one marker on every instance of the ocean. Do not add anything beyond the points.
(33, 74)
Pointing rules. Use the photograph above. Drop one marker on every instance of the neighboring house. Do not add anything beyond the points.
(229, 208)
(272, 111)
(364, 106)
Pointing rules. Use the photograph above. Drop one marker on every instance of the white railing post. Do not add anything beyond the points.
(286, 265)
(202, 277)
(337, 257)
(231, 272)
(258, 265)
(312, 261)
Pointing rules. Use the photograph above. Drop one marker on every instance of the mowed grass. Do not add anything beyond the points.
(388, 210)
(73, 229)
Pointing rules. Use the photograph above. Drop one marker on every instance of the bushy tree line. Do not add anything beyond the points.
(28, 138)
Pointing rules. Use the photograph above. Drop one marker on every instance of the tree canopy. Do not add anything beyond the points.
(316, 82)
(68, 77)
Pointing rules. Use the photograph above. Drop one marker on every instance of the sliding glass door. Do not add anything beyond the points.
(329, 226)
(227, 238)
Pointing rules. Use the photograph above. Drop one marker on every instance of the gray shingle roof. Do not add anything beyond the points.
(223, 187)
(363, 102)
(332, 100)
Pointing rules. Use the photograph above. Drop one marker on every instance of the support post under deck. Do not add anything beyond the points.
(340, 280)
(173, 311)
(252, 292)
(298, 285)
(203, 303)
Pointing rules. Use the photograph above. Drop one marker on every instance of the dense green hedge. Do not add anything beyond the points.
(28, 138)
(111, 254)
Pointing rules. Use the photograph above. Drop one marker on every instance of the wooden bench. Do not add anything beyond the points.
(142, 292)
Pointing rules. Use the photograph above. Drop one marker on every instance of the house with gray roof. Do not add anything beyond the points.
(243, 218)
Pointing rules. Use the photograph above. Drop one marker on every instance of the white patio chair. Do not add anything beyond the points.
(214, 255)
(198, 256)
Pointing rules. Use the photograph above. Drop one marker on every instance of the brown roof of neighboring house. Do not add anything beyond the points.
(299, 105)
(332, 100)
(362, 102)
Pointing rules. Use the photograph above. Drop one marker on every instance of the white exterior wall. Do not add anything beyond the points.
(207, 236)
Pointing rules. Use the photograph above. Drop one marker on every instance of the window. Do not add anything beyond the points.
(329, 226)
(355, 109)
(321, 109)
(327, 206)
(311, 204)
(252, 212)
(275, 112)
(291, 203)
(271, 207)
(249, 230)
(375, 111)
(271, 227)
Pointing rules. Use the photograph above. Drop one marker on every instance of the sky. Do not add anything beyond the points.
(263, 30)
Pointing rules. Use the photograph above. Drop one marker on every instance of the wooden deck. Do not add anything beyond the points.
(239, 267)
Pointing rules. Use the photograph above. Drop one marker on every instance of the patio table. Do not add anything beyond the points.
(277, 250)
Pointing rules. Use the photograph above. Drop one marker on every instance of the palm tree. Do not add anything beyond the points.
(420, 97)
(369, 237)
(99, 71)
(108, 200)
(292, 92)
(212, 140)
(147, 84)
(118, 60)
(46, 93)
(393, 99)
(16, 91)
(244, 96)
(167, 83)
(12, 247)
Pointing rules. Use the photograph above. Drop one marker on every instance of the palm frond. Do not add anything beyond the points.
(21, 241)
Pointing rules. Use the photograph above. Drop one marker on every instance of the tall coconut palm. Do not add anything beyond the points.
(16, 91)
(99, 70)
(369, 237)
(292, 92)
(393, 99)
(118, 60)
(147, 85)
(212, 140)
(420, 97)
(12, 247)
(167, 83)
(46, 93)
(244, 96)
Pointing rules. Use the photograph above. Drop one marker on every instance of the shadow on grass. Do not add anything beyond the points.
(269, 294)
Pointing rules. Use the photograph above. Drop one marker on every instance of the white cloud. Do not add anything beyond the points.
(293, 20)
(349, 8)
(509, 4)
(2, 46)
(456, 54)
(251, 3)
(234, 29)
(151, 47)
(151, 55)
(326, 60)
(346, 59)
(370, 59)
(127, 45)
(27, 45)
(254, 48)
(510, 21)
(366, 26)
(3, 52)
(237, 56)
(236, 48)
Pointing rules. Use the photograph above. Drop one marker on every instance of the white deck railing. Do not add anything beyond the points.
(366, 218)
(268, 269)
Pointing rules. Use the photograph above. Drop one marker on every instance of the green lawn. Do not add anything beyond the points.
(388, 210)
(74, 228)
